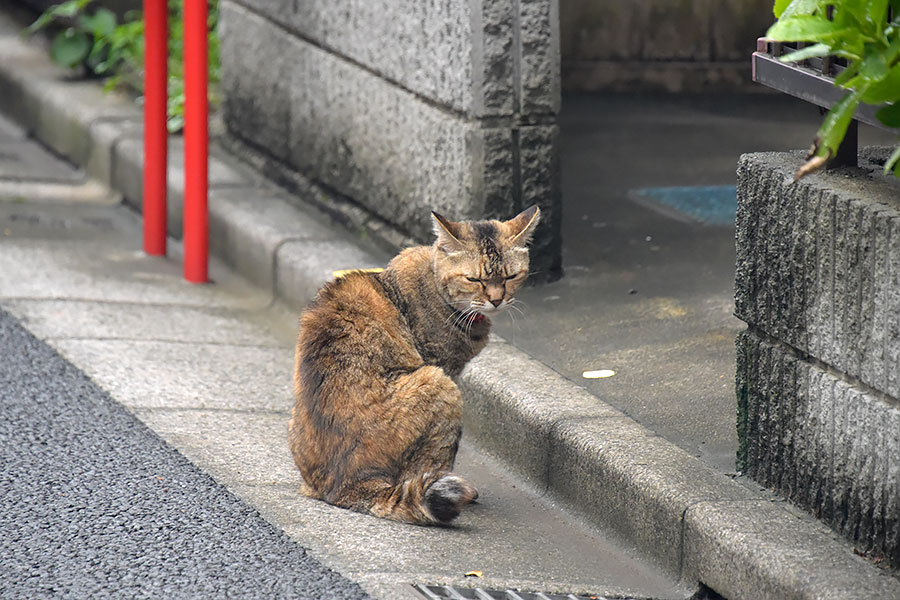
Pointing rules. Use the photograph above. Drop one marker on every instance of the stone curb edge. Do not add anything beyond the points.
(695, 522)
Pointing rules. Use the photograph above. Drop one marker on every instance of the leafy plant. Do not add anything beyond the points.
(91, 39)
(858, 31)
(176, 61)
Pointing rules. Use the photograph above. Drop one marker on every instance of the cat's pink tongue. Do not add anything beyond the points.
(479, 318)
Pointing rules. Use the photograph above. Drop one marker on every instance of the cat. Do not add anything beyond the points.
(377, 419)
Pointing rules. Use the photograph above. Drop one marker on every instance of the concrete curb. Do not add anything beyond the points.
(695, 522)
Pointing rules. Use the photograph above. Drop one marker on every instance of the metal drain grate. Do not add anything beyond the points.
(446, 592)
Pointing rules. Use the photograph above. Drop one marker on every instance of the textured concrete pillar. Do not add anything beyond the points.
(818, 284)
(404, 106)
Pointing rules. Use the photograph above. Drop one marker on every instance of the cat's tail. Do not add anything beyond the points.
(425, 500)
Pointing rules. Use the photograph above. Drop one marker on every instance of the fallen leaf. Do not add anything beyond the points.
(475, 574)
(598, 374)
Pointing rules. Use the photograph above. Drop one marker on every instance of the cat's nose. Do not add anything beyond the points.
(497, 302)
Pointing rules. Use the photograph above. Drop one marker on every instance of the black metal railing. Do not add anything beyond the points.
(812, 80)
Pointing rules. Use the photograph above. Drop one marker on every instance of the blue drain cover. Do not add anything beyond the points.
(707, 204)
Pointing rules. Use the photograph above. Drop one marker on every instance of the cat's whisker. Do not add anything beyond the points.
(513, 304)
(464, 315)
(513, 307)
(454, 316)
(512, 319)
(517, 305)
(467, 316)
(471, 320)
(518, 301)
(459, 317)
(532, 274)
(458, 314)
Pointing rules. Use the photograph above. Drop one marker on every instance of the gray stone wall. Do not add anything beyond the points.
(404, 106)
(818, 369)
(671, 45)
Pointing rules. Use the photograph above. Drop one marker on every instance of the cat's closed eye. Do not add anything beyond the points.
(507, 278)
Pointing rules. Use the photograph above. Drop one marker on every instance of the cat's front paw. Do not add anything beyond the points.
(447, 496)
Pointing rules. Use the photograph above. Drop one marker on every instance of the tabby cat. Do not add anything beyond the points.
(377, 418)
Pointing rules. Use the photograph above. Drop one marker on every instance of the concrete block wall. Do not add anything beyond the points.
(818, 369)
(406, 106)
(676, 46)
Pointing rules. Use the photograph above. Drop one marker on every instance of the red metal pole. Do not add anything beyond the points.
(196, 141)
(156, 34)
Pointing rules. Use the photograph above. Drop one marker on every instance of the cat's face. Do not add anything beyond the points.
(480, 264)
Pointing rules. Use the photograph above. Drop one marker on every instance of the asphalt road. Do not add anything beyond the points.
(93, 504)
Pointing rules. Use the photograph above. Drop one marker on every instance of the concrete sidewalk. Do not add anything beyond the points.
(649, 291)
(208, 369)
(624, 475)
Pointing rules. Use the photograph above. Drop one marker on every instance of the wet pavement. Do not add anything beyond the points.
(648, 293)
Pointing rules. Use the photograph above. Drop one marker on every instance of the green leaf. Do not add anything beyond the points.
(873, 68)
(41, 22)
(876, 14)
(847, 74)
(96, 56)
(893, 162)
(808, 52)
(834, 128)
(64, 11)
(808, 28)
(175, 123)
(885, 90)
(780, 6)
(786, 8)
(890, 115)
(68, 9)
(101, 23)
(852, 14)
(69, 48)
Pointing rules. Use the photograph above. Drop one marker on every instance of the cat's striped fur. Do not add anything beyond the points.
(377, 419)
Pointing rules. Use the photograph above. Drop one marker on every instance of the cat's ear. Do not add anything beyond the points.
(447, 232)
(521, 227)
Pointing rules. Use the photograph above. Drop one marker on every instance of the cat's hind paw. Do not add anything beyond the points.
(447, 496)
